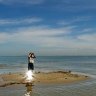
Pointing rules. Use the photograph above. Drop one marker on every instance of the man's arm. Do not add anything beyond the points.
(33, 56)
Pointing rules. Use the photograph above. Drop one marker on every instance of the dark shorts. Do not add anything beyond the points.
(30, 66)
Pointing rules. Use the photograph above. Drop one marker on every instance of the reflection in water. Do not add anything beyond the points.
(29, 79)
(29, 89)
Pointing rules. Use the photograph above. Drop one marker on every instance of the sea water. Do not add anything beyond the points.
(77, 64)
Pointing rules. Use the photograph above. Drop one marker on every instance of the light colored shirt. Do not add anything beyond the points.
(31, 60)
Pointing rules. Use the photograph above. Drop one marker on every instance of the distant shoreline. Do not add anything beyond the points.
(58, 77)
(49, 55)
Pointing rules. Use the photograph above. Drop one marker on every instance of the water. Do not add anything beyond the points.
(79, 64)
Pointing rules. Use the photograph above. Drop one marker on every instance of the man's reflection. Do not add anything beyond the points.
(29, 89)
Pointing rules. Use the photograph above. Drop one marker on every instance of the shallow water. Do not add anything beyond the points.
(77, 89)
(79, 64)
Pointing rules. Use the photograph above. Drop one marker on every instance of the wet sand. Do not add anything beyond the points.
(58, 77)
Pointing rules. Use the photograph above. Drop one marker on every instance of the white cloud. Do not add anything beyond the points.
(88, 37)
(44, 36)
(36, 33)
(20, 21)
(47, 40)
(41, 36)
(88, 30)
(75, 20)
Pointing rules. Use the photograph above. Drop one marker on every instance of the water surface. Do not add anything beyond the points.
(79, 64)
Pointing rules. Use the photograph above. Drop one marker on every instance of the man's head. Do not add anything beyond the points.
(31, 53)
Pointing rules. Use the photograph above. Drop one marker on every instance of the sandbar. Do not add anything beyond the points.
(58, 77)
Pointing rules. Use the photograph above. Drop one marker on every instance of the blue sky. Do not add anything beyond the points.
(48, 27)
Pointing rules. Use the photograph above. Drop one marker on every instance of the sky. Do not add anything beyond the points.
(48, 27)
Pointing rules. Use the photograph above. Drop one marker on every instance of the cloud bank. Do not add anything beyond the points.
(50, 40)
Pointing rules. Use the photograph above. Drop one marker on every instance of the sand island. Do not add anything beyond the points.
(58, 77)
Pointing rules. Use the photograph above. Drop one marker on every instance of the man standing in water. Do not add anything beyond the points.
(31, 57)
(29, 74)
